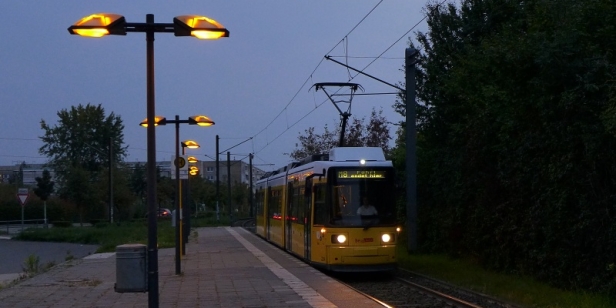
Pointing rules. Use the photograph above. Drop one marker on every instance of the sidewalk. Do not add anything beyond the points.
(223, 267)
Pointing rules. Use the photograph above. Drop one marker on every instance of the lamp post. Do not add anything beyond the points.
(98, 25)
(191, 144)
(199, 120)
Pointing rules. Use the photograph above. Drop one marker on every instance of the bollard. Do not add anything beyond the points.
(131, 268)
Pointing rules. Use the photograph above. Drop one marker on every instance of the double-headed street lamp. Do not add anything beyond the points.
(98, 25)
(199, 120)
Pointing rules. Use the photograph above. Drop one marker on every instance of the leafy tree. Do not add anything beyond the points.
(123, 196)
(44, 188)
(515, 123)
(239, 195)
(44, 185)
(79, 144)
(165, 192)
(137, 181)
(82, 138)
(203, 191)
(311, 143)
(83, 193)
(375, 134)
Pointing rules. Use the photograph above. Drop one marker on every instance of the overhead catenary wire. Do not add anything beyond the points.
(310, 78)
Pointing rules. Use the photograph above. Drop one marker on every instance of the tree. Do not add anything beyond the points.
(374, 134)
(515, 131)
(80, 143)
(44, 188)
(137, 181)
(123, 196)
(202, 191)
(82, 138)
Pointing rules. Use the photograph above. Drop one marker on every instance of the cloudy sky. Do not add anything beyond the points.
(254, 84)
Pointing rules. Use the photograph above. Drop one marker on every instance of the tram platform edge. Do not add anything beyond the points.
(223, 267)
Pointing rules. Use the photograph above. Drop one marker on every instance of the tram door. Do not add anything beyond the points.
(288, 234)
(307, 217)
(267, 214)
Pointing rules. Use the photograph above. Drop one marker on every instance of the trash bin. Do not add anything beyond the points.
(131, 273)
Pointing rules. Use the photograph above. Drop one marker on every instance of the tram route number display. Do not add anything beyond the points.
(361, 174)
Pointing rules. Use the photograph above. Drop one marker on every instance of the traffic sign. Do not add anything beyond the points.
(181, 162)
(22, 195)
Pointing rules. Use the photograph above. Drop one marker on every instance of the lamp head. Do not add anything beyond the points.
(99, 25)
(191, 144)
(201, 27)
(193, 170)
(200, 120)
(192, 159)
(158, 120)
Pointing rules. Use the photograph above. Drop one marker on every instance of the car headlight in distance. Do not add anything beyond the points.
(339, 238)
(386, 238)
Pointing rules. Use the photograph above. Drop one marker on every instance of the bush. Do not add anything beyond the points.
(95, 222)
(61, 224)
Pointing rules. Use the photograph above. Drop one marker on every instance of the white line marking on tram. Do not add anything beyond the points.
(311, 296)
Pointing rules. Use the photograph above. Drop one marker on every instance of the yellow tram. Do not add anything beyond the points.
(313, 209)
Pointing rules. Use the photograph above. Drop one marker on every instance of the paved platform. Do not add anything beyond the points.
(223, 267)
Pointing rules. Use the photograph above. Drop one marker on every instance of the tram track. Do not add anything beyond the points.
(407, 289)
(404, 288)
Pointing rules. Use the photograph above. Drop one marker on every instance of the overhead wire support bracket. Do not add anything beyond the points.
(344, 115)
(368, 75)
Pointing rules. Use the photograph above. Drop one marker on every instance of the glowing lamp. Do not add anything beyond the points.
(200, 120)
(192, 159)
(201, 27)
(99, 25)
(158, 120)
(191, 144)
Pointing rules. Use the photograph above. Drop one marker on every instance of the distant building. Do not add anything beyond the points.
(23, 174)
(240, 171)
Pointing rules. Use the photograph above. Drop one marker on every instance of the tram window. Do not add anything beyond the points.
(274, 204)
(297, 206)
(320, 210)
(259, 202)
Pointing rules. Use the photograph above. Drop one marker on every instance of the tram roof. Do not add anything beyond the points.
(341, 156)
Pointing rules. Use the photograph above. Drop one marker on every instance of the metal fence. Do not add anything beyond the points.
(16, 226)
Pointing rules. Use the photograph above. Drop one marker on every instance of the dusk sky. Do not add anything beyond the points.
(254, 84)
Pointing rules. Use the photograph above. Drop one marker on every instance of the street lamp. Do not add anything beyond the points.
(199, 120)
(192, 159)
(191, 144)
(98, 25)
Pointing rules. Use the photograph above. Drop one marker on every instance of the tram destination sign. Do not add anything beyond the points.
(361, 174)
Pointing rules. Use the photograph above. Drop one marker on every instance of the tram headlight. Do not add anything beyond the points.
(339, 238)
(387, 238)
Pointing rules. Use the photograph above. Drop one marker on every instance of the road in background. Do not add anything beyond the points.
(14, 253)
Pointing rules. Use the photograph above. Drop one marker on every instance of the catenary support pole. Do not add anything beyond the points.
(411, 155)
(217, 181)
(250, 193)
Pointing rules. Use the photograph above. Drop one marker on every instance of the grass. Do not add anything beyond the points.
(523, 291)
(108, 236)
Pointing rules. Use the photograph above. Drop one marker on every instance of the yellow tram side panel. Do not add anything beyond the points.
(262, 216)
(364, 248)
(276, 229)
(297, 239)
(260, 226)
(318, 249)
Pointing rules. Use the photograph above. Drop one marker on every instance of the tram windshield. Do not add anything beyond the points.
(362, 197)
